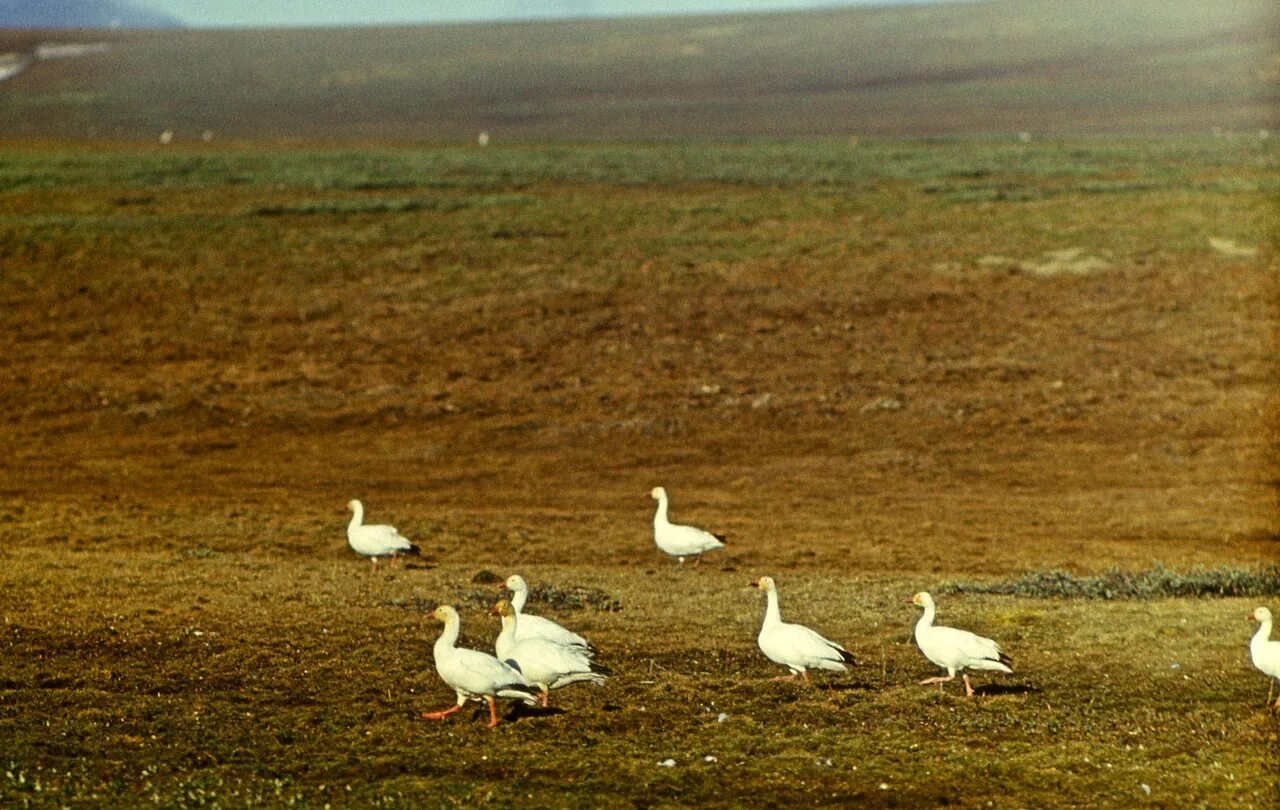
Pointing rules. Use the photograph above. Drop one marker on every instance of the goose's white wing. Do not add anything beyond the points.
(545, 662)
(960, 649)
(531, 627)
(377, 540)
(684, 541)
(476, 673)
(800, 648)
(1266, 657)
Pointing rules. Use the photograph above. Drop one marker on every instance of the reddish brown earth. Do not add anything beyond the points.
(951, 361)
(857, 382)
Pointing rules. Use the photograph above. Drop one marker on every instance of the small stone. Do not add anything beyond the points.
(667, 763)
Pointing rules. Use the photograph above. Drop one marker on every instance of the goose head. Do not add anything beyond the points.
(514, 583)
(1260, 615)
(765, 584)
(657, 493)
(922, 599)
(501, 608)
(353, 504)
(444, 613)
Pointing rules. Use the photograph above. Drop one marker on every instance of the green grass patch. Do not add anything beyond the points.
(1084, 166)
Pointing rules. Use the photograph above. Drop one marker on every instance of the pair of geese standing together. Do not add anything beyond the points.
(535, 655)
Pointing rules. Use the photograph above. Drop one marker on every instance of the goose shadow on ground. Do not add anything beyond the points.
(1005, 689)
(520, 711)
(857, 686)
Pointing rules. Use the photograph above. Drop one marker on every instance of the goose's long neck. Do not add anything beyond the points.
(771, 613)
(926, 621)
(660, 516)
(449, 637)
(1263, 635)
(518, 598)
(357, 517)
(509, 626)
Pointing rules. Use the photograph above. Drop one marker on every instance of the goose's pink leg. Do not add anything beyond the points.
(938, 680)
(442, 714)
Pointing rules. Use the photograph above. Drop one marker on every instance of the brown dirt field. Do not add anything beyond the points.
(872, 388)
(834, 402)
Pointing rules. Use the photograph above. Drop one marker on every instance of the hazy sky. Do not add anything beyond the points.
(231, 13)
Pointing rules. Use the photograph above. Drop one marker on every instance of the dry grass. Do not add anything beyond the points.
(209, 355)
(229, 679)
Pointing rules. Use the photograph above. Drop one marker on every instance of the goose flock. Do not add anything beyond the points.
(534, 655)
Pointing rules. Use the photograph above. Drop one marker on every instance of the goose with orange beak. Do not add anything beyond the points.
(955, 650)
(795, 646)
(545, 664)
(474, 675)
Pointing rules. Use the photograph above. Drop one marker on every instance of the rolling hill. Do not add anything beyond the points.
(1044, 66)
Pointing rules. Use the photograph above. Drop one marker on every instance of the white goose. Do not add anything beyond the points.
(474, 675)
(531, 626)
(543, 663)
(955, 650)
(677, 540)
(793, 645)
(375, 541)
(1265, 652)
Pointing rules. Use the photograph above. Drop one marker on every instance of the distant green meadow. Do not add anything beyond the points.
(955, 169)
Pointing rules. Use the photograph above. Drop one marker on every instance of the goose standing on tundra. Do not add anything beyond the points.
(531, 626)
(375, 540)
(677, 540)
(793, 645)
(955, 650)
(1265, 652)
(545, 664)
(474, 675)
